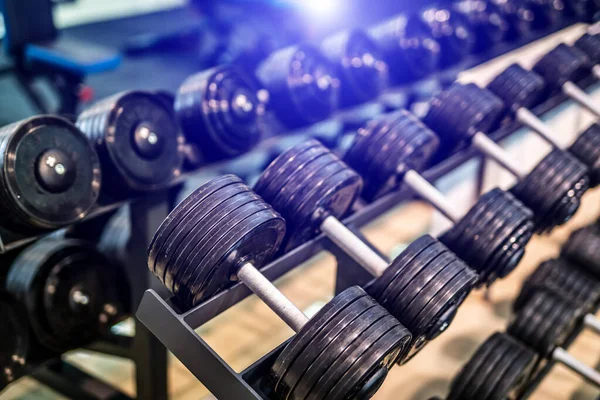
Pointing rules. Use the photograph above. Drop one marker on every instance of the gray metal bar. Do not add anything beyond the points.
(590, 374)
(590, 321)
(581, 98)
(530, 120)
(430, 193)
(490, 148)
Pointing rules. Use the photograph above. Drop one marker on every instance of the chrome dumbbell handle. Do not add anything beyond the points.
(590, 374)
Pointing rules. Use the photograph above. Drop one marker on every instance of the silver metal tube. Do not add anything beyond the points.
(490, 148)
(596, 71)
(531, 121)
(352, 245)
(430, 193)
(581, 98)
(590, 321)
(588, 373)
(272, 297)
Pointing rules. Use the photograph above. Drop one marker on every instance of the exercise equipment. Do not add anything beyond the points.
(389, 152)
(344, 350)
(583, 248)
(14, 346)
(312, 188)
(486, 21)
(50, 175)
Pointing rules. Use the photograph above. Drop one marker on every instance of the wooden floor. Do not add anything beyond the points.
(249, 330)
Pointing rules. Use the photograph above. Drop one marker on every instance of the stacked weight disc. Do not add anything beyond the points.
(583, 247)
(563, 64)
(499, 369)
(587, 149)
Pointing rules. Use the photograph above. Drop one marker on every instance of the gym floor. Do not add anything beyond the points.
(249, 330)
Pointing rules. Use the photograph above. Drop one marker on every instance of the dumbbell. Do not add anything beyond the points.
(561, 68)
(588, 44)
(544, 324)
(50, 175)
(547, 13)
(312, 189)
(407, 47)
(519, 18)
(486, 20)
(360, 66)
(521, 90)
(345, 349)
(499, 369)
(72, 293)
(389, 151)
(566, 280)
(583, 248)
(452, 31)
(220, 112)
(552, 189)
(138, 141)
(14, 346)
(302, 84)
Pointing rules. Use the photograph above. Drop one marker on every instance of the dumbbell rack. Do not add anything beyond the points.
(176, 329)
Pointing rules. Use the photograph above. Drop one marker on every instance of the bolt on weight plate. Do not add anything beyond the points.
(14, 346)
(518, 87)
(138, 139)
(72, 293)
(221, 112)
(583, 247)
(50, 174)
(587, 149)
(562, 64)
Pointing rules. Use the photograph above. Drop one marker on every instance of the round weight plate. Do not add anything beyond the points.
(508, 257)
(488, 384)
(14, 346)
(452, 31)
(140, 137)
(587, 149)
(50, 174)
(512, 383)
(583, 247)
(302, 339)
(518, 87)
(72, 293)
(574, 187)
(220, 111)
(527, 324)
(329, 345)
(590, 45)
(562, 64)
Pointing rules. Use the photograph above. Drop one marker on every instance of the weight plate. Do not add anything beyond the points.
(587, 149)
(518, 87)
(253, 240)
(302, 339)
(512, 384)
(519, 17)
(163, 238)
(486, 21)
(330, 345)
(138, 139)
(590, 45)
(360, 66)
(462, 381)
(507, 358)
(452, 31)
(221, 112)
(50, 174)
(14, 346)
(563, 64)
(583, 247)
(510, 256)
(72, 293)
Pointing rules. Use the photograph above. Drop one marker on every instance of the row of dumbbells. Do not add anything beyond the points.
(557, 301)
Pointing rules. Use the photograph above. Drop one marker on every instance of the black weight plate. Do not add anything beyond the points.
(354, 154)
(329, 345)
(300, 341)
(208, 216)
(378, 356)
(590, 45)
(462, 381)
(34, 194)
(518, 87)
(222, 226)
(14, 346)
(507, 258)
(587, 149)
(334, 368)
(573, 188)
(273, 178)
(163, 236)
(253, 240)
(510, 355)
(562, 64)
(528, 322)
(583, 247)
(511, 385)
(399, 264)
(404, 268)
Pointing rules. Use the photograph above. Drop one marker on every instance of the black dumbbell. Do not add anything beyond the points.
(390, 151)
(565, 279)
(552, 190)
(486, 20)
(519, 17)
(561, 68)
(72, 293)
(302, 84)
(583, 248)
(221, 112)
(50, 174)
(346, 348)
(521, 90)
(360, 66)
(499, 369)
(547, 13)
(544, 324)
(452, 31)
(14, 346)
(312, 189)
(138, 141)
(407, 47)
